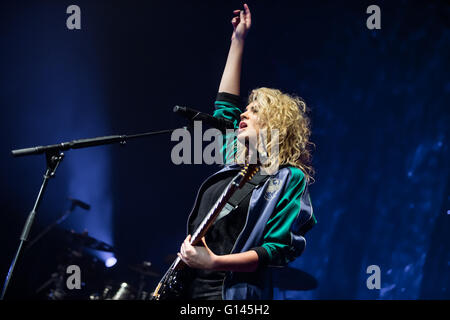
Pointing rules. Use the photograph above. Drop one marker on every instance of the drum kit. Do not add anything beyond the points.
(95, 286)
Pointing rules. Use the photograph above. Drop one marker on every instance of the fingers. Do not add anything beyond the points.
(187, 243)
(248, 14)
(235, 21)
(247, 9)
(243, 15)
(183, 249)
(186, 246)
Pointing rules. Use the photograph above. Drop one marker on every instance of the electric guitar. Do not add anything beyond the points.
(171, 285)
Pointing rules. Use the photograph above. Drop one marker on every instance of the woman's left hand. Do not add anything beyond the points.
(199, 257)
(241, 23)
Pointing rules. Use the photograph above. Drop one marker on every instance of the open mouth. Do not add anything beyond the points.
(242, 125)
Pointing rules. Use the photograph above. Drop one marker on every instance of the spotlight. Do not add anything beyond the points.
(111, 261)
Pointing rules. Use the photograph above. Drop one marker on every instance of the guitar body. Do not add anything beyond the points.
(171, 286)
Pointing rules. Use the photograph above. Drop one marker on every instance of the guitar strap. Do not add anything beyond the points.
(241, 193)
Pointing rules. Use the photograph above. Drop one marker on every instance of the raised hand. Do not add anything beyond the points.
(241, 23)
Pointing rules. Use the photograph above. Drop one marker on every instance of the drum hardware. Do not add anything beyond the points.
(84, 240)
(106, 292)
(55, 288)
(75, 254)
(145, 270)
(113, 292)
(125, 292)
(55, 285)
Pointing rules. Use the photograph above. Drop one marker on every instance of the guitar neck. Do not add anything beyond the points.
(208, 221)
(213, 213)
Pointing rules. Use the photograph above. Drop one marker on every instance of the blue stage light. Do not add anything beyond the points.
(110, 262)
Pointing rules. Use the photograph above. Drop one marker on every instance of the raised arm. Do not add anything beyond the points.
(231, 78)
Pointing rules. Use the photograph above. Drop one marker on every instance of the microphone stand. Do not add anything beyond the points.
(54, 156)
(51, 226)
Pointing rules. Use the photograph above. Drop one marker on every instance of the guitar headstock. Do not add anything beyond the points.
(246, 174)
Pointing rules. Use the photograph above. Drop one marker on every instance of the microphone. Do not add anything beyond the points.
(78, 203)
(194, 115)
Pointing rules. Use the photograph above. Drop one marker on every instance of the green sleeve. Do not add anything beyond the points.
(227, 106)
(277, 237)
(227, 111)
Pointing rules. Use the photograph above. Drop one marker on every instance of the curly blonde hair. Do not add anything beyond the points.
(288, 115)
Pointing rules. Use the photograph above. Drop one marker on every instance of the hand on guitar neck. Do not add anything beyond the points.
(200, 257)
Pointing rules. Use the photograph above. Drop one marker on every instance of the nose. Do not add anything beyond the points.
(244, 116)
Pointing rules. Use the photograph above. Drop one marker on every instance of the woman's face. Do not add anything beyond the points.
(249, 125)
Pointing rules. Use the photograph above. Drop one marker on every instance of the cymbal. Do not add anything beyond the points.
(85, 240)
(145, 268)
(293, 279)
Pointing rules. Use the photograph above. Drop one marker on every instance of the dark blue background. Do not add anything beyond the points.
(379, 105)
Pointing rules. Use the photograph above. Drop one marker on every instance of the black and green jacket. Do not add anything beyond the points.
(279, 215)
